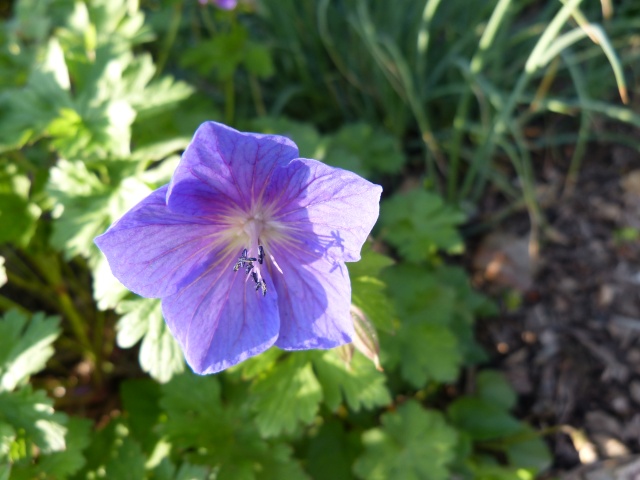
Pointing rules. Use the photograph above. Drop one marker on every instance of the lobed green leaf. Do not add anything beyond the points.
(285, 396)
(418, 223)
(413, 443)
(25, 346)
(358, 384)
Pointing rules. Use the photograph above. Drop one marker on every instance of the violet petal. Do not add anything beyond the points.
(314, 296)
(151, 250)
(220, 319)
(223, 167)
(338, 208)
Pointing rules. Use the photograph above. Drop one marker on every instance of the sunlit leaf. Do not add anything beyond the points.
(412, 444)
(88, 206)
(114, 453)
(32, 412)
(419, 223)
(25, 346)
(60, 464)
(286, 396)
(358, 384)
(3, 272)
(160, 354)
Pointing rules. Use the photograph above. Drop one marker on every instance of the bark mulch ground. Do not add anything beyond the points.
(571, 349)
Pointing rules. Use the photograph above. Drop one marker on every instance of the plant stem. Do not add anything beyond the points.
(229, 103)
(475, 67)
(170, 38)
(8, 304)
(256, 93)
(49, 268)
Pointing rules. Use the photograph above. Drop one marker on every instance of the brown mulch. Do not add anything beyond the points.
(571, 349)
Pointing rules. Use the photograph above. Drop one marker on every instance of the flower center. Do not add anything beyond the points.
(253, 231)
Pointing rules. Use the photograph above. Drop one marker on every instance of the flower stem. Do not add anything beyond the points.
(229, 104)
(49, 268)
(8, 304)
(256, 93)
(38, 289)
(170, 38)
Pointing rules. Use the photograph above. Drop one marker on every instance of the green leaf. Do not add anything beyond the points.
(113, 453)
(413, 443)
(425, 345)
(140, 401)
(89, 206)
(18, 214)
(159, 96)
(206, 431)
(193, 472)
(5, 471)
(427, 353)
(332, 452)
(493, 387)
(134, 323)
(160, 354)
(421, 295)
(160, 174)
(222, 54)
(119, 23)
(438, 309)
(126, 459)
(107, 289)
(468, 305)
(499, 472)
(359, 384)
(365, 150)
(60, 464)
(33, 412)
(529, 451)
(369, 292)
(371, 263)
(304, 135)
(29, 110)
(3, 272)
(258, 60)
(255, 366)
(18, 217)
(482, 419)
(285, 396)
(418, 223)
(25, 346)
(7, 437)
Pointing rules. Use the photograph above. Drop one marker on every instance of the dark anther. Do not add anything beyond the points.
(247, 263)
(242, 260)
(263, 285)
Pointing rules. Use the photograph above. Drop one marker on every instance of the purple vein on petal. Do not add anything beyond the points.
(204, 297)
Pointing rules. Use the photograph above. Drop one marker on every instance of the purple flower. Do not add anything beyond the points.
(246, 247)
(223, 4)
